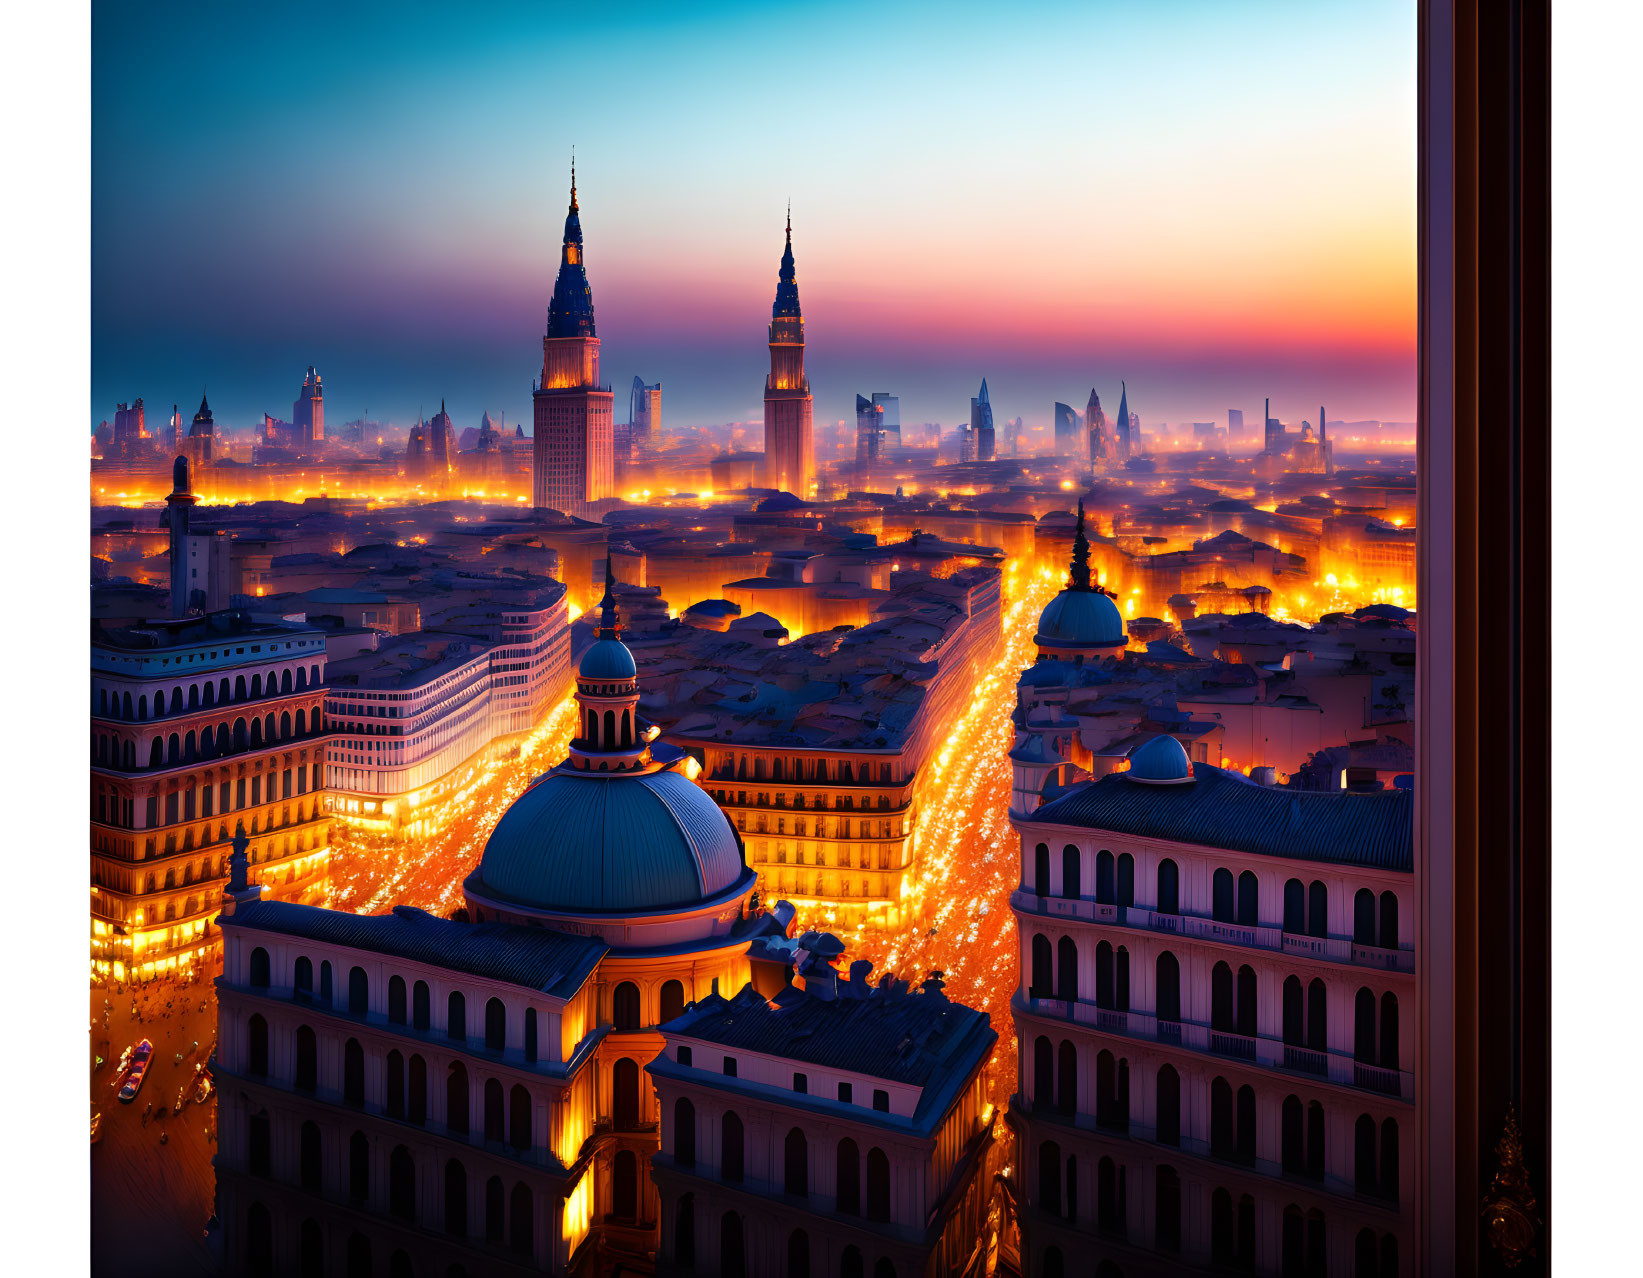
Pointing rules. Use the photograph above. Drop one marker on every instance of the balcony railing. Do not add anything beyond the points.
(1272, 1053)
(1334, 949)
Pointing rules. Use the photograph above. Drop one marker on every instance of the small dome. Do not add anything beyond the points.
(607, 659)
(1160, 761)
(1081, 619)
(612, 843)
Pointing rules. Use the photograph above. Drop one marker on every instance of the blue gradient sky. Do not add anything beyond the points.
(1213, 201)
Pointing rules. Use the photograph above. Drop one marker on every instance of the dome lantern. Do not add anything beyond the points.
(1082, 622)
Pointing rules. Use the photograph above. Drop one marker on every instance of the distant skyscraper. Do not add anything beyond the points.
(173, 431)
(889, 407)
(308, 412)
(129, 428)
(201, 439)
(178, 507)
(1067, 431)
(1235, 425)
(573, 464)
(789, 462)
(441, 437)
(1274, 430)
(1122, 422)
(644, 417)
(869, 432)
(1101, 449)
(981, 423)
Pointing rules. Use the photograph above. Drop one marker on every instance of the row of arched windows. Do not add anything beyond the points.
(733, 1248)
(203, 696)
(191, 747)
(1233, 900)
(625, 1005)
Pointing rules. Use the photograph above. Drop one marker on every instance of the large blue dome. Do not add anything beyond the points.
(1160, 760)
(607, 659)
(1081, 619)
(612, 843)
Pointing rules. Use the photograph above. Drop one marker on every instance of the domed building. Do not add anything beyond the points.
(475, 1086)
(1082, 623)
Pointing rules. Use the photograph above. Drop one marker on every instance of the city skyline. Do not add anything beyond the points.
(236, 246)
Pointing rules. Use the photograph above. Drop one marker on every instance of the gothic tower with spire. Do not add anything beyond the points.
(789, 461)
(1123, 442)
(1096, 421)
(573, 464)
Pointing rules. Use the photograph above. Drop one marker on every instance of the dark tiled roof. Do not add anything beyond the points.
(1225, 810)
(555, 963)
(907, 1038)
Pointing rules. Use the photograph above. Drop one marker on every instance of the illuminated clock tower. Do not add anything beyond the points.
(788, 459)
(573, 465)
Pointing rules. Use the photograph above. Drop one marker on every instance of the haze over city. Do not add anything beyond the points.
(1213, 204)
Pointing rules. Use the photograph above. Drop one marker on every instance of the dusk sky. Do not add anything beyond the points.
(1212, 201)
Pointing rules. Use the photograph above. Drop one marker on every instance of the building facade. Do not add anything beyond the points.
(573, 466)
(981, 425)
(789, 454)
(838, 1128)
(1214, 1019)
(405, 1094)
(308, 412)
(199, 726)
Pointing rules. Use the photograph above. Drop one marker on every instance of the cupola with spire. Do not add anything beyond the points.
(1082, 622)
(570, 314)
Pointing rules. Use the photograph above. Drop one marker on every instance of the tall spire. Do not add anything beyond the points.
(573, 178)
(787, 280)
(570, 314)
(607, 606)
(1078, 576)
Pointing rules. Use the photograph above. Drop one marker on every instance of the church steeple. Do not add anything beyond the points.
(570, 314)
(612, 737)
(1078, 575)
(787, 280)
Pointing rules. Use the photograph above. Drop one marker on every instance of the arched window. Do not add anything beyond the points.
(456, 1099)
(1043, 1072)
(1071, 872)
(456, 1017)
(1295, 906)
(1066, 969)
(1222, 893)
(1169, 887)
(851, 1264)
(493, 1109)
(257, 1047)
(1109, 1198)
(684, 1232)
(608, 741)
(496, 1025)
(421, 1014)
(496, 1207)
(359, 1255)
(325, 982)
(530, 1035)
(878, 1185)
(1043, 982)
(624, 1192)
(309, 1162)
(519, 1118)
(884, 1267)
(1249, 899)
(257, 1143)
(396, 1000)
(306, 1078)
(848, 1181)
(1168, 1106)
(259, 1242)
(522, 1220)
(359, 992)
(1103, 974)
(1167, 987)
(1317, 1016)
(1363, 917)
(1246, 1124)
(1389, 1030)
(1066, 1092)
(624, 1082)
(402, 1184)
(1126, 879)
(684, 1132)
(416, 1108)
(1106, 887)
(259, 969)
(1389, 921)
(673, 1001)
(732, 1249)
(1041, 869)
(1246, 1001)
(456, 1198)
(353, 1073)
(1317, 909)
(1294, 1012)
(798, 1254)
(1292, 1145)
(311, 1263)
(1052, 1266)
(359, 1167)
(1223, 1135)
(1049, 1177)
(625, 1006)
(1363, 1026)
(302, 978)
(730, 1148)
(796, 1164)
(1220, 999)
(1389, 1158)
(1167, 1209)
